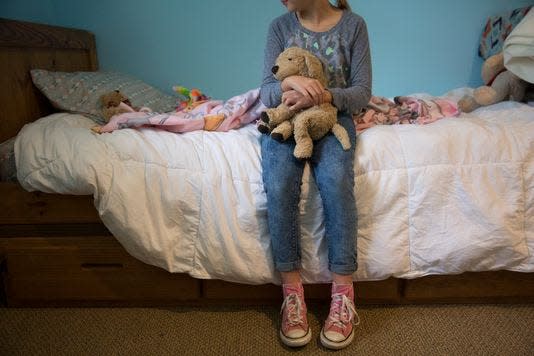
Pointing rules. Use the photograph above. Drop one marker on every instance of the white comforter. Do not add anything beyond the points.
(452, 196)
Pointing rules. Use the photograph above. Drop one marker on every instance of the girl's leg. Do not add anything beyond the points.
(291, 277)
(282, 176)
(333, 170)
(342, 278)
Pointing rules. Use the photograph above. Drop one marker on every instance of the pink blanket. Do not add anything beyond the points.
(405, 110)
(213, 115)
(217, 115)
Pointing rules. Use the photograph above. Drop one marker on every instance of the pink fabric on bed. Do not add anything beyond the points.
(405, 110)
(213, 115)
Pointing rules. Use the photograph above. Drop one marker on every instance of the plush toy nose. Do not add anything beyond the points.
(274, 69)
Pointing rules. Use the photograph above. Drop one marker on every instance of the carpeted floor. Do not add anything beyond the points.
(461, 329)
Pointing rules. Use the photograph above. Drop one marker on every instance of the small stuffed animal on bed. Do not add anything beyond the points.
(306, 125)
(115, 102)
(501, 84)
(194, 98)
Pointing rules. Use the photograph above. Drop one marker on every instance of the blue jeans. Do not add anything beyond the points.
(333, 171)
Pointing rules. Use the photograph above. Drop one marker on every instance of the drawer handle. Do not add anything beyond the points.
(38, 204)
(102, 265)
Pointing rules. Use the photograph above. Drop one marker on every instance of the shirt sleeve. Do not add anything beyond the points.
(358, 92)
(271, 88)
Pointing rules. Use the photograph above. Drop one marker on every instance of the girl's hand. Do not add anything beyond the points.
(296, 101)
(308, 87)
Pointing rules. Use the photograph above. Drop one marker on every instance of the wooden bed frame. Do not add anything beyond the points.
(55, 251)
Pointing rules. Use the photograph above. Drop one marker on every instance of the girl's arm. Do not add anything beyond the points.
(358, 91)
(311, 88)
(271, 90)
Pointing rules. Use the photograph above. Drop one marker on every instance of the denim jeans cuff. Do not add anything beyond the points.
(287, 266)
(343, 269)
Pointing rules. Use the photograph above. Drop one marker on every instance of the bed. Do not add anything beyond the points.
(470, 239)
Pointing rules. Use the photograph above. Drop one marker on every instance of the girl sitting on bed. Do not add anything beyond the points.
(339, 38)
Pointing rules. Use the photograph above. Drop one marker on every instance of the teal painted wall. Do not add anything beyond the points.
(217, 45)
(28, 10)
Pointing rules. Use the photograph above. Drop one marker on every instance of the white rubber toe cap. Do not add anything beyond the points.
(296, 337)
(335, 341)
(334, 336)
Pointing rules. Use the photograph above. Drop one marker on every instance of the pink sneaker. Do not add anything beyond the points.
(294, 330)
(338, 332)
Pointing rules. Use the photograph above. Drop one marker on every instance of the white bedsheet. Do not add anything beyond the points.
(452, 196)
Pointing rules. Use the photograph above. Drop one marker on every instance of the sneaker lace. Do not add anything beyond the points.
(294, 309)
(342, 311)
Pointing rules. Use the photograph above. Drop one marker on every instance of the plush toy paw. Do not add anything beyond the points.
(277, 136)
(468, 104)
(303, 149)
(275, 116)
(282, 132)
(264, 128)
(263, 124)
(97, 129)
(265, 117)
(486, 95)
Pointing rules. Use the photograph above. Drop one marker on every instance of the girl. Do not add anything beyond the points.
(338, 37)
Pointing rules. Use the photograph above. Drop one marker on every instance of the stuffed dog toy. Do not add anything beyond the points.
(115, 102)
(306, 125)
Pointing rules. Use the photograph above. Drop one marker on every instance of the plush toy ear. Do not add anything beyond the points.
(315, 68)
(103, 100)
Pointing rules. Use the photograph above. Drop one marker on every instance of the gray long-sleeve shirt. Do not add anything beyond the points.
(344, 51)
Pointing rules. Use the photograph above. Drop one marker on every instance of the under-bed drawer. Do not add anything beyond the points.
(487, 286)
(49, 271)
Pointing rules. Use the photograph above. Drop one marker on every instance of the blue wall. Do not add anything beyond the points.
(427, 45)
(29, 10)
(217, 45)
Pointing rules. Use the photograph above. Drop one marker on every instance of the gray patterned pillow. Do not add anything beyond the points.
(79, 92)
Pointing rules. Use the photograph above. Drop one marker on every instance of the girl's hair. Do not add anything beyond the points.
(343, 4)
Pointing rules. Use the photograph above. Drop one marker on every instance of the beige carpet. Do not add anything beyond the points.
(492, 329)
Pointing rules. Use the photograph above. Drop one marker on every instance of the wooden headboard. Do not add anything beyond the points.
(25, 46)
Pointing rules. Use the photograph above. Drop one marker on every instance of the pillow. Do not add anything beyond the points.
(497, 29)
(79, 92)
